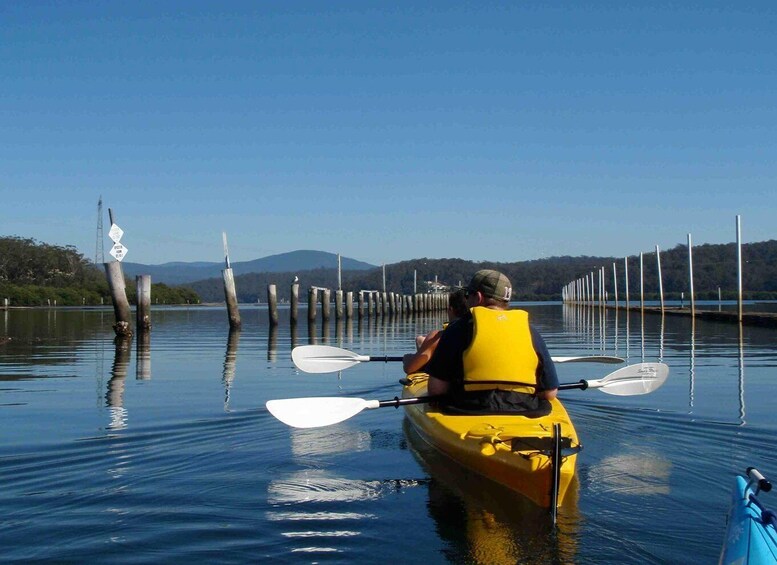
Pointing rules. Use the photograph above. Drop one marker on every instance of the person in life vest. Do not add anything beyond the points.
(495, 353)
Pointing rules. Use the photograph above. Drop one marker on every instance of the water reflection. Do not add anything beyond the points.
(486, 523)
(143, 368)
(741, 376)
(272, 343)
(230, 361)
(692, 365)
(114, 396)
(634, 474)
(317, 442)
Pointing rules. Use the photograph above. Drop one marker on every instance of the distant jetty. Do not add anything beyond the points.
(762, 319)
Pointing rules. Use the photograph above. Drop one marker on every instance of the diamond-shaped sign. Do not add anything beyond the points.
(118, 251)
(115, 233)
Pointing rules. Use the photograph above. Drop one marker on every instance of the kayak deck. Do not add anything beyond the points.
(512, 450)
(751, 538)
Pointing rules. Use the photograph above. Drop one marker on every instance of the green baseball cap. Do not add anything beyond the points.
(491, 284)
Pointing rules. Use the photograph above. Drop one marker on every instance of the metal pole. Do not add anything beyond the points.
(690, 275)
(660, 280)
(626, 278)
(641, 284)
(615, 284)
(739, 266)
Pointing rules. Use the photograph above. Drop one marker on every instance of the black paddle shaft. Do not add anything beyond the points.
(396, 402)
(385, 359)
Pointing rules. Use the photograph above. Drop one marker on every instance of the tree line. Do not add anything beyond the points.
(714, 267)
(33, 273)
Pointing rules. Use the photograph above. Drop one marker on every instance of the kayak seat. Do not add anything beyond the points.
(497, 402)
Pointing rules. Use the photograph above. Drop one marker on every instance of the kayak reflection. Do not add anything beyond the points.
(485, 522)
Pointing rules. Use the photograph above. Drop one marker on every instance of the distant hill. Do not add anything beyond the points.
(302, 260)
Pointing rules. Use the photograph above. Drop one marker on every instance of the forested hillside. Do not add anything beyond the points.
(543, 279)
(35, 274)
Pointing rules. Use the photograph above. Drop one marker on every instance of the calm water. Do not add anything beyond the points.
(163, 452)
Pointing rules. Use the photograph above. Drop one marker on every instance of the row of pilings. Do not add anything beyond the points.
(347, 305)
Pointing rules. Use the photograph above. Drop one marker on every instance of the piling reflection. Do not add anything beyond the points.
(486, 523)
(293, 335)
(143, 360)
(230, 361)
(272, 343)
(114, 396)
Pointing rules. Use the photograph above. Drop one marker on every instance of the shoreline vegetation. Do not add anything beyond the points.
(38, 274)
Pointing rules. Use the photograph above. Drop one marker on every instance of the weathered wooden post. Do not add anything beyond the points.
(361, 304)
(349, 305)
(325, 299)
(312, 297)
(370, 304)
(143, 312)
(294, 307)
(272, 304)
(116, 285)
(229, 289)
(338, 304)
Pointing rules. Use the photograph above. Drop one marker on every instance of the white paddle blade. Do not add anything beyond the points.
(589, 359)
(324, 358)
(316, 412)
(641, 378)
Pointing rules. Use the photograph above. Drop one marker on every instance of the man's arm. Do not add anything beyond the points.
(547, 379)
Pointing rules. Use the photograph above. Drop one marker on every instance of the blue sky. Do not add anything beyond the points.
(388, 131)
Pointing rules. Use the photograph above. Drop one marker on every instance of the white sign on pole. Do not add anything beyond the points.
(115, 233)
(118, 251)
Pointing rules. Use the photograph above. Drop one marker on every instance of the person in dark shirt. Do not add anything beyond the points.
(504, 352)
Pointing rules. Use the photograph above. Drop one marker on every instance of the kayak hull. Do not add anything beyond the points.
(508, 449)
(749, 541)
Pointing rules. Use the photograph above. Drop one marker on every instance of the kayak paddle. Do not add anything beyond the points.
(328, 359)
(316, 412)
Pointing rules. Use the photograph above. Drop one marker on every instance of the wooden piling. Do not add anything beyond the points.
(143, 312)
(349, 305)
(325, 299)
(272, 304)
(338, 304)
(294, 307)
(312, 297)
(361, 304)
(121, 307)
(231, 297)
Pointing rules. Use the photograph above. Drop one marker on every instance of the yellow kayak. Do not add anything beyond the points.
(513, 450)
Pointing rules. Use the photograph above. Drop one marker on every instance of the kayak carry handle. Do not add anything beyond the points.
(755, 476)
